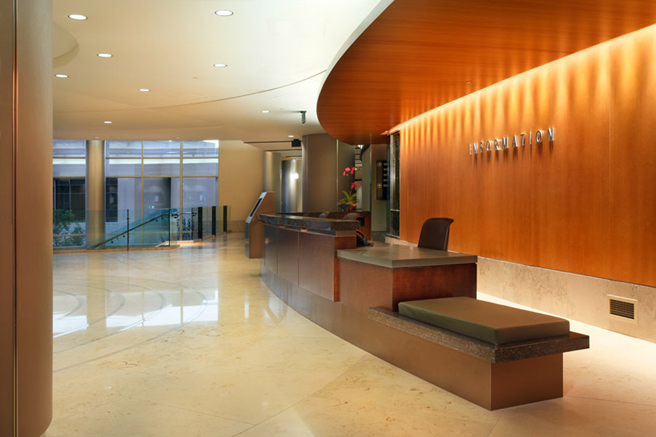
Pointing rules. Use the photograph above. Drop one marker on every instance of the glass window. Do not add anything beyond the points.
(69, 148)
(200, 148)
(200, 167)
(162, 148)
(126, 149)
(161, 167)
(69, 195)
(200, 192)
(67, 167)
(111, 199)
(124, 167)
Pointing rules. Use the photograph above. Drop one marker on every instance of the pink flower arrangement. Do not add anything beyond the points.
(351, 196)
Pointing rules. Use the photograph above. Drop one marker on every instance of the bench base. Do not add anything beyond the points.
(491, 385)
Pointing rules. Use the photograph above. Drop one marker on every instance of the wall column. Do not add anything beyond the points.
(95, 191)
(272, 175)
(324, 161)
(25, 217)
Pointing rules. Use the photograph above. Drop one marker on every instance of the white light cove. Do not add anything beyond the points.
(513, 142)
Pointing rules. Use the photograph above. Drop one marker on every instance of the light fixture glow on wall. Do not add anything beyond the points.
(220, 65)
(105, 55)
(77, 17)
(294, 175)
(223, 13)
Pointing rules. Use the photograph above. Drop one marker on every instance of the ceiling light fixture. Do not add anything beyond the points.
(108, 122)
(290, 136)
(77, 17)
(223, 13)
(63, 76)
(265, 112)
(144, 90)
(105, 55)
(220, 65)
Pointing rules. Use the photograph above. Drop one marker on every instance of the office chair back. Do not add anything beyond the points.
(435, 233)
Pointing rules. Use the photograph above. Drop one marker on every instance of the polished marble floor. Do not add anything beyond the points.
(190, 342)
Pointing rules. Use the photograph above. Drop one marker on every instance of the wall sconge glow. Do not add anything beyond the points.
(144, 90)
(220, 65)
(223, 13)
(294, 176)
(63, 76)
(105, 55)
(77, 17)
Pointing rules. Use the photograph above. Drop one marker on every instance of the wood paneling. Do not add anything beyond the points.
(288, 254)
(420, 54)
(318, 270)
(632, 216)
(583, 204)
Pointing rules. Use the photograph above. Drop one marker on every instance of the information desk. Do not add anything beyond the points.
(303, 250)
(386, 274)
(313, 265)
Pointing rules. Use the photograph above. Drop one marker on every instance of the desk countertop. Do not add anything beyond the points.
(311, 223)
(399, 256)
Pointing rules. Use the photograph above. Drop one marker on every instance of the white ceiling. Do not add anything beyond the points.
(277, 53)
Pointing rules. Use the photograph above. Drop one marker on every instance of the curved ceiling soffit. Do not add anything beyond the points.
(205, 102)
(64, 46)
(420, 54)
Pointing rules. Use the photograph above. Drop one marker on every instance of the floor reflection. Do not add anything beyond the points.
(190, 342)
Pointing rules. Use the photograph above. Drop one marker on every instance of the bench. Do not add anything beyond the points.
(495, 356)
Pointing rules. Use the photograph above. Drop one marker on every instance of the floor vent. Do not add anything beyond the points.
(622, 307)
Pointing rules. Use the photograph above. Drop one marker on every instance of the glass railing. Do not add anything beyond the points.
(132, 228)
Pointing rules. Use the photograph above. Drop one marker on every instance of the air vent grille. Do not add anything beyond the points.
(622, 307)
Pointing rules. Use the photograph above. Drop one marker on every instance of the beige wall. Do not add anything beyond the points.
(240, 180)
(26, 217)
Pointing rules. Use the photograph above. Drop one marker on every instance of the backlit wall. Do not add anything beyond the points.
(583, 203)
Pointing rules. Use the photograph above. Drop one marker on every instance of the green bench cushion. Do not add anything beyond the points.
(486, 321)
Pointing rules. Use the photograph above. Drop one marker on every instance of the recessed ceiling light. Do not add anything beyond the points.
(63, 76)
(224, 13)
(144, 90)
(290, 136)
(265, 112)
(105, 55)
(77, 17)
(108, 122)
(220, 65)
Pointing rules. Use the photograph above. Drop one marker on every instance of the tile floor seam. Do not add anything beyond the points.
(618, 401)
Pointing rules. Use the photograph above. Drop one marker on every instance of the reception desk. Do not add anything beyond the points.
(314, 266)
(303, 250)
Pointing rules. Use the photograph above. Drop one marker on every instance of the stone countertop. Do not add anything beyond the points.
(311, 223)
(477, 348)
(398, 256)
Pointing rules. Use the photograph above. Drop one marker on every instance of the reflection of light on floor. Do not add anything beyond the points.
(69, 324)
(246, 307)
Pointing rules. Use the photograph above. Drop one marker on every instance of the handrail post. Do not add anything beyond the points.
(128, 229)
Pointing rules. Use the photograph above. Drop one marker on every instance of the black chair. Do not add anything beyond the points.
(435, 233)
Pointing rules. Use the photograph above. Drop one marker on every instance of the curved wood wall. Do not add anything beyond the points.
(585, 203)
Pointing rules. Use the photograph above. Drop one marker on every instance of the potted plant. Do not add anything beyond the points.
(350, 200)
